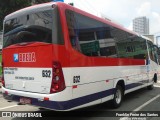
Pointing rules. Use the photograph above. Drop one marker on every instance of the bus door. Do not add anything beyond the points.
(157, 59)
(153, 62)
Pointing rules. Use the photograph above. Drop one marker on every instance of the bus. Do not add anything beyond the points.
(59, 57)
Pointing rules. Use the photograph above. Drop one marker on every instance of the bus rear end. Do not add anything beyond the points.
(33, 49)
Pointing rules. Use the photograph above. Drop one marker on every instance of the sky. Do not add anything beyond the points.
(124, 11)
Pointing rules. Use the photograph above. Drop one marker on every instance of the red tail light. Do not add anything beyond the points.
(3, 83)
(58, 83)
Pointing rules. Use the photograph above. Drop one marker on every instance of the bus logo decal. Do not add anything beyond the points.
(15, 57)
(25, 57)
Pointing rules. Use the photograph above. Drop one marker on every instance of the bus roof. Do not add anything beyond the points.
(66, 6)
(144, 37)
(32, 8)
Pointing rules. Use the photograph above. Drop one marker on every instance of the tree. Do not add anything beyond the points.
(40, 1)
(9, 6)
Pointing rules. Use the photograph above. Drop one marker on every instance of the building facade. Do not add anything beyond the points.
(141, 25)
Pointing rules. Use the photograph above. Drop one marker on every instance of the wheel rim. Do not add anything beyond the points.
(118, 96)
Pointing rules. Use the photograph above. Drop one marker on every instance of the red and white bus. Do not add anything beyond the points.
(62, 58)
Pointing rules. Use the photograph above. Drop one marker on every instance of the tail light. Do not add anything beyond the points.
(2, 78)
(58, 83)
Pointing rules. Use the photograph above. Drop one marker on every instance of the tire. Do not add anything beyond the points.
(155, 78)
(150, 87)
(118, 97)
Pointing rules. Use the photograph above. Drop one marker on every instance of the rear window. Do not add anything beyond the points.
(42, 26)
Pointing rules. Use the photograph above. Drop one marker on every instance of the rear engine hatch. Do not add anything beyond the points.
(28, 67)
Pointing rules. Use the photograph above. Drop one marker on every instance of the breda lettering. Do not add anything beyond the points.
(25, 57)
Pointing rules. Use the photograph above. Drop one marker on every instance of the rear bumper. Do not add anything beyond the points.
(60, 105)
(38, 99)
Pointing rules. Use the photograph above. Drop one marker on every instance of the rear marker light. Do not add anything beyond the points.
(6, 92)
(3, 84)
(56, 87)
(74, 86)
(2, 78)
(46, 99)
(107, 81)
(57, 78)
(58, 83)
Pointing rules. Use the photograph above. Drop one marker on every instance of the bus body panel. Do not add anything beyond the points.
(25, 66)
(102, 79)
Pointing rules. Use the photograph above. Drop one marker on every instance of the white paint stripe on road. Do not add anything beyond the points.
(142, 106)
(8, 107)
(146, 103)
(156, 86)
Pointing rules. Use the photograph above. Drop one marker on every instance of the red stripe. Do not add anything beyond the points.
(46, 54)
(80, 60)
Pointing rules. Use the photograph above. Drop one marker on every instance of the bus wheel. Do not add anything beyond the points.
(118, 97)
(150, 87)
(155, 78)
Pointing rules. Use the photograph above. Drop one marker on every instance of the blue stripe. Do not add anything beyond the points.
(65, 105)
(133, 85)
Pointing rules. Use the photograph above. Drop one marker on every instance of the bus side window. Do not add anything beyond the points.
(72, 28)
(153, 52)
(158, 51)
(156, 54)
(150, 48)
(75, 43)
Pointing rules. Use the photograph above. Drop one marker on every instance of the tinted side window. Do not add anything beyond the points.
(153, 52)
(94, 38)
(157, 54)
(90, 37)
(133, 48)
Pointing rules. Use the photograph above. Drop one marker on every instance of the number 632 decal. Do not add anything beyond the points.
(46, 73)
(76, 79)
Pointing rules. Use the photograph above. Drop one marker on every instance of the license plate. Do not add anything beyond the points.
(25, 100)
